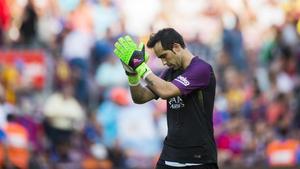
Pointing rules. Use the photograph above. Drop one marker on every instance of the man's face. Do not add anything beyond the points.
(168, 57)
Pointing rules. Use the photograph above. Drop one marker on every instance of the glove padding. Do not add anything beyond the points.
(133, 58)
(129, 70)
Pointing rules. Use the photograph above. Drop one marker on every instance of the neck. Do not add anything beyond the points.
(186, 59)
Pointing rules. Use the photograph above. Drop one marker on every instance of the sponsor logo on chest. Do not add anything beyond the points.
(176, 102)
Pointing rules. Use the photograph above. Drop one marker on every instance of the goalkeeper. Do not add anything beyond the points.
(188, 85)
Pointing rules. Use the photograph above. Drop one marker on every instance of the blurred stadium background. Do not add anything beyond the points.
(64, 100)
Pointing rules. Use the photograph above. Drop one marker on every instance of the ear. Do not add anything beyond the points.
(176, 47)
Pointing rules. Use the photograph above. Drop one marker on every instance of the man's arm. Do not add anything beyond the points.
(135, 58)
(141, 94)
(160, 87)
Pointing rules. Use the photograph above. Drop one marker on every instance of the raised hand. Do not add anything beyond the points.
(133, 57)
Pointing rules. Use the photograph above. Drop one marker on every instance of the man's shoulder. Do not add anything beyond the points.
(199, 65)
(198, 60)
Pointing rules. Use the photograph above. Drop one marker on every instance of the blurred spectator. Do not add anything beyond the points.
(107, 114)
(67, 6)
(101, 50)
(269, 46)
(28, 117)
(77, 46)
(97, 155)
(28, 30)
(105, 15)
(3, 110)
(130, 14)
(110, 73)
(137, 136)
(230, 143)
(10, 78)
(234, 91)
(76, 54)
(233, 42)
(297, 108)
(81, 19)
(62, 74)
(160, 118)
(4, 20)
(200, 49)
(48, 14)
(255, 105)
(64, 117)
(256, 142)
(15, 151)
(277, 109)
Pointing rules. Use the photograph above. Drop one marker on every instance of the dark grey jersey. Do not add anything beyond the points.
(190, 129)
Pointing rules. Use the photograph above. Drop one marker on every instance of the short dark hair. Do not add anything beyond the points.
(167, 37)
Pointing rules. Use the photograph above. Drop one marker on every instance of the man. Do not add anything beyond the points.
(188, 85)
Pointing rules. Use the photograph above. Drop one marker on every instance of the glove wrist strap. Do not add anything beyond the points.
(143, 70)
(146, 74)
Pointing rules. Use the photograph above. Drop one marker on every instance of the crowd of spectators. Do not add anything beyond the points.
(79, 113)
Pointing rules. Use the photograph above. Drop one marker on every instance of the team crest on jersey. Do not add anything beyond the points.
(182, 80)
(176, 102)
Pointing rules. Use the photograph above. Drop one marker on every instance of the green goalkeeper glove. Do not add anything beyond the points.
(132, 56)
(129, 70)
(133, 78)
